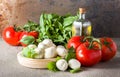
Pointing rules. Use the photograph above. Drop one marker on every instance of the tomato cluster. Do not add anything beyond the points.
(13, 37)
(91, 51)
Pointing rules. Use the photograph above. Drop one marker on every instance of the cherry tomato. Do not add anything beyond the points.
(32, 33)
(88, 54)
(75, 41)
(109, 48)
(11, 36)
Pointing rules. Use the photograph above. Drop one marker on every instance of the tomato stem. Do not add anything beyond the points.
(18, 28)
(89, 38)
(91, 46)
(106, 43)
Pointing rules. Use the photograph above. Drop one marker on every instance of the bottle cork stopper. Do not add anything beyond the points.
(82, 10)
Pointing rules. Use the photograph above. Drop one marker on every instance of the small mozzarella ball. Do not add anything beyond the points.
(61, 51)
(41, 45)
(38, 50)
(47, 42)
(74, 64)
(53, 45)
(60, 46)
(50, 52)
(32, 46)
(62, 64)
(40, 53)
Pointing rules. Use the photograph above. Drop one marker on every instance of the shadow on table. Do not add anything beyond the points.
(112, 64)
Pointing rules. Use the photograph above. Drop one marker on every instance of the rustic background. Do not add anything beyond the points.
(104, 14)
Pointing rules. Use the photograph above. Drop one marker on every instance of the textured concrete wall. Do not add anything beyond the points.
(104, 14)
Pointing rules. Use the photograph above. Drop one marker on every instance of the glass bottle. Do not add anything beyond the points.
(82, 26)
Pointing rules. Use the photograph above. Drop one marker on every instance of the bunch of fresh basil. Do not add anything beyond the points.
(31, 26)
(56, 27)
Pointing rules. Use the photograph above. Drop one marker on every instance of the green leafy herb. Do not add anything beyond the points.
(55, 27)
(75, 70)
(52, 66)
(58, 58)
(28, 52)
(71, 54)
(28, 40)
(31, 26)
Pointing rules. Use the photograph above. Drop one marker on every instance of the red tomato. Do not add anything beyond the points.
(109, 48)
(88, 56)
(32, 33)
(75, 41)
(11, 36)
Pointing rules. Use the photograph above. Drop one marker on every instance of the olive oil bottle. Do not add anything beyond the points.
(82, 26)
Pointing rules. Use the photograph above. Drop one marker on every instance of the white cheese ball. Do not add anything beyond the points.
(61, 51)
(41, 45)
(74, 64)
(62, 64)
(50, 52)
(32, 46)
(53, 45)
(48, 42)
(40, 53)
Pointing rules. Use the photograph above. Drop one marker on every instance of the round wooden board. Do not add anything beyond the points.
(33, 63)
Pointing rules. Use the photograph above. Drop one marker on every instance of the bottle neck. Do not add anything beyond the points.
(82, 16)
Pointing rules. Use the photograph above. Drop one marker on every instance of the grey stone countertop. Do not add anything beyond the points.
(9, 66)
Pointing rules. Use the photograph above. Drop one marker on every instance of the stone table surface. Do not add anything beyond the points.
(9, 66)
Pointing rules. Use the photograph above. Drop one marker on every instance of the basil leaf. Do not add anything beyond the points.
(26, 52)
(28, 40)
(42, 23)
(71, 54)
(75, 70)
(52, 66)
(31, 26)
(69, 20)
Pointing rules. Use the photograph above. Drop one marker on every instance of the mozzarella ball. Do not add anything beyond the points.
(32, 46)
(48, 42)
(61, 51)
(41, 45)
(50, 52)
(74, 64)
(62, 64)
(40, 53)
(53, 45)
(38, 50)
